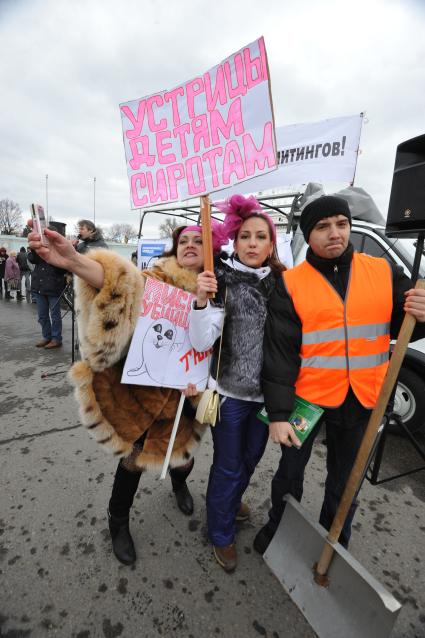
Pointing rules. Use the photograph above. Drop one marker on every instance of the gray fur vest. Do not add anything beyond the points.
(245, 315)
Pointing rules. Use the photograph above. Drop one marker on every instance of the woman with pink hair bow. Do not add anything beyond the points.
(243, 284)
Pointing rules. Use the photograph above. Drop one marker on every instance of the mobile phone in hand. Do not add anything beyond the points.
(40, 222)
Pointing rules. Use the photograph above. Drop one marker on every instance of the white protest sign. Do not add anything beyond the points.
(211, 132)
(324, 151)
(160, 352)
(283, 246)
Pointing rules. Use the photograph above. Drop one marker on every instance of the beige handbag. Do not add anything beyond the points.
(209, 405)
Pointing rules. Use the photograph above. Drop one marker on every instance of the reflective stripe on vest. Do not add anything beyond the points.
(346, 342)
(340, 363)
(368, 331)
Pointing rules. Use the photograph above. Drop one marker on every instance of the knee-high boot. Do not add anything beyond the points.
(123, 491)
(178, 480)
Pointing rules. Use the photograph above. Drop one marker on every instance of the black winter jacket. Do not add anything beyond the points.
(46, 279)
(283, 331)
(94, 241)
(3, 258)
(22, 260)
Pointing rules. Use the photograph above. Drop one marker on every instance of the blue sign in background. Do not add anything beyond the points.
(149, 250)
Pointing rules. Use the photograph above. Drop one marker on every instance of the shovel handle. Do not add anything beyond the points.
(375, 420)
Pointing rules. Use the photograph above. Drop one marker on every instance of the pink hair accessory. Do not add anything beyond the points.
(218, 239)
(239, 208)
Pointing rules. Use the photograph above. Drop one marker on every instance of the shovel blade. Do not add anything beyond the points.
(355, 605)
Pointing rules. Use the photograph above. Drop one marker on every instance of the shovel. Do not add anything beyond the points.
(337, 596)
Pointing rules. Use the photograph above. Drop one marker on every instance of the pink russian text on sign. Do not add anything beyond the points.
(160, 352)
(204, 135)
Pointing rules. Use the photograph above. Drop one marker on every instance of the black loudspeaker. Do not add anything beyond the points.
(59, 227)
(406, 211)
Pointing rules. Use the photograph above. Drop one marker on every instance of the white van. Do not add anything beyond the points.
(370, 238)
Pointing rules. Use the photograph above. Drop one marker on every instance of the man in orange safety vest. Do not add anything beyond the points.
(327, 340)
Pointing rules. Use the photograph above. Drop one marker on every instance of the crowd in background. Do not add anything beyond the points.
(26, 276)
(15, 274)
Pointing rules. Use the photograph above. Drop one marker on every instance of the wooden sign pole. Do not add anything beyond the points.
(206, 232)
(207, 236)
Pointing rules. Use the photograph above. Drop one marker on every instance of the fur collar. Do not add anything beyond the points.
(175, 274)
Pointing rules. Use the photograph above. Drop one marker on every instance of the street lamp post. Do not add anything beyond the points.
(94, 201)
(47, 196)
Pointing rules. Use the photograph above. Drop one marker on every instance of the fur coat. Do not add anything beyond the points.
(115, 414)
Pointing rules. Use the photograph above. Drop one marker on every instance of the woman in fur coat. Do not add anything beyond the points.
(130, 421)
(243, 284)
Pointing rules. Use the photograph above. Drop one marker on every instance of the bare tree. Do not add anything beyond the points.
(11, 220)
(100, 230)
(167, 227)
(120, 233)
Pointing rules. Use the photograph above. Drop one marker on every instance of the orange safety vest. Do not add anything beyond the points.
(343, 342)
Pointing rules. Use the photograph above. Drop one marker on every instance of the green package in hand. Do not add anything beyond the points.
(303, 417)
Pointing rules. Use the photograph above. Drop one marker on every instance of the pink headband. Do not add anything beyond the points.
(192, 229)
(218, 240)
(239, 208)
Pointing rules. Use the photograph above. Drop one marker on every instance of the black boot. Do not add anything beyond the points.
(122, 543)
(123, 491)
(263, 539)
(184, 499)
(178, 480)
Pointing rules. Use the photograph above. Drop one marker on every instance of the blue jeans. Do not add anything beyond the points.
(49, 316)
(239, 440)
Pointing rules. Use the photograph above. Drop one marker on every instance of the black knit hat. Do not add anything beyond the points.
(325, 206)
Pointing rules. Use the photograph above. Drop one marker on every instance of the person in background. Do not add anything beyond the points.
(22, 260)
(3, 258)
(327, 340)
(89, 237)
(47, 285)
(12, 275)
(31, 267)
(244, 283)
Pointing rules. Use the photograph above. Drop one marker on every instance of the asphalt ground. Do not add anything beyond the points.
(58, 576)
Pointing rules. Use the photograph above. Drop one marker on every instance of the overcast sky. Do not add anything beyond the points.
(66, 65)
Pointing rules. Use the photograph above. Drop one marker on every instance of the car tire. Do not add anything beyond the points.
(409, 402)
